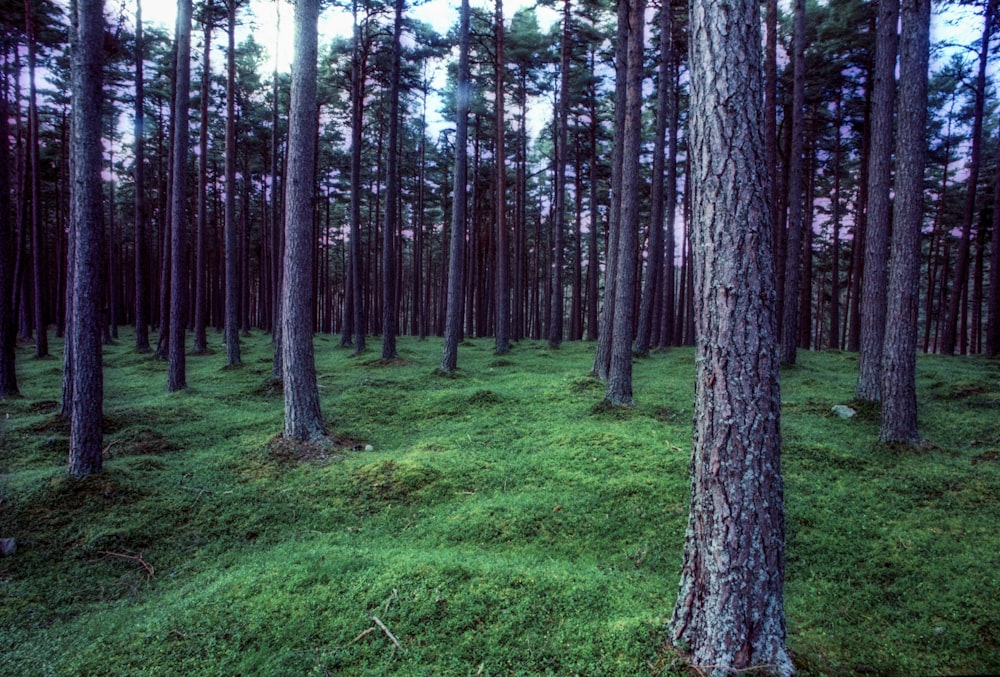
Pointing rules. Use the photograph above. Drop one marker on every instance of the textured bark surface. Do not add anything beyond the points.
(176, 367)
(876, 253)
(730, 610)
(899, 386)
(456, 254)
(389, 302)
(84, 330)
(303, 418)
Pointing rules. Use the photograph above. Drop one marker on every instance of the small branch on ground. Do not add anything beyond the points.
(135, 558)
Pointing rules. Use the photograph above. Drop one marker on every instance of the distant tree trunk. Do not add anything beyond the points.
(303, 418)
(652, 285)
(8, 330)
(555, 333)
(140, 255)
(232, 321)
(857, 272)
(593, 250)
(899, 388)
(201, 261)
(84, 330)
(619, 389)
(456, 257)
(502, 307)
(730, 609)
(176, 369)
(278, 232)
(960, 274)
(34, 170)
(993, 303)
(668, 315)
(873, 294)
(389, 298)
(796, 194)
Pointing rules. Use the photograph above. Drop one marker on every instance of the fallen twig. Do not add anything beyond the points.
(135, 558)
(364, 634)
(387, 632)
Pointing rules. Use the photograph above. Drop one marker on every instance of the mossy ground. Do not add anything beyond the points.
(505, 522)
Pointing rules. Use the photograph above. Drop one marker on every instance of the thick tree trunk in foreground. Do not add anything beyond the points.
(456, 255)
(899, 386)
(730, 609)
(176, 367)
(873, 285)
(84, 330)
(303, 418)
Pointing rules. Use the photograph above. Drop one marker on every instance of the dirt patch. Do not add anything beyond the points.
(287, 451)
(139, 442)
(991, 455)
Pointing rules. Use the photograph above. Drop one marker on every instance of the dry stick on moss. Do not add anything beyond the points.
(387, 632)
(364, 634)
(135, 558)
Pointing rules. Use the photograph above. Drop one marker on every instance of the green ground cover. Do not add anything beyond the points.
(502, 523)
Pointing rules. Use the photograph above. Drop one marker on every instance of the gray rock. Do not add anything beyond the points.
(369, 447)
(8, 546)
(843, 411)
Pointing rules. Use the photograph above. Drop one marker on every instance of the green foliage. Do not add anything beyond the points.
(495, 522)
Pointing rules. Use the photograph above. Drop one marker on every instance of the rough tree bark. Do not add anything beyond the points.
(389, 298)
(730, 610)
(84, 330)
(873, 283)
(303, 418)
(232, 313)
(899, 362)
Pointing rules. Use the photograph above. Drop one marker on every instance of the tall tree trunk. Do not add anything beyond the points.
(232, 320)
(960, 274)
(668, 316)
(873, 293)
(303, 418)
(899, 388)
(730, 609)
(556, 312)
(201, 262)
(456, 257)
(835, 226)
(34, 169)
(602, 354)
(502, 303)
(8, 330)
(993, 303)
(176, 369)
(390, 312)
(593, 252)
(357, 120)
(277, 252)
(140, 253)
(84, 330)
(654, 257)
(796, 194)
(619, 389)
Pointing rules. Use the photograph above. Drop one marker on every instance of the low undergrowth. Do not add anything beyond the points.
(497, 521)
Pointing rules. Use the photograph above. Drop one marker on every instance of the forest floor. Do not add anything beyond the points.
(496, 522)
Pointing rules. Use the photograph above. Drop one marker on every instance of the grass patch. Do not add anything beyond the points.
(503, 520)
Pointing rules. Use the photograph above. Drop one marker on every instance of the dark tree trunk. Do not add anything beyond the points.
(389, 298)
(84, 330)
(619, 389)
(835, 226)
(201, 261)
(502, 308)
(140, 254)
(456, 257)
(668, 315)
(899, 388)
(730, 609)
(176, 369)
(993, 303)
(232, 320)
(873, 293)
(593, 253)
(303, 418)
(357, 120)
(796, 194)
(8, 330)
(960, 274)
